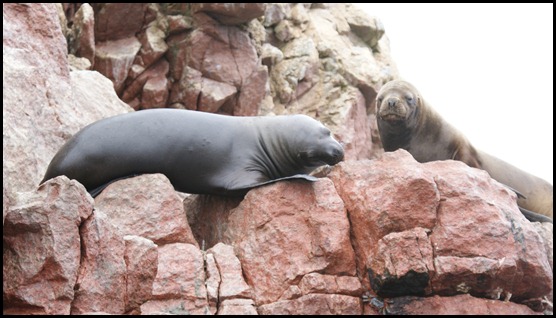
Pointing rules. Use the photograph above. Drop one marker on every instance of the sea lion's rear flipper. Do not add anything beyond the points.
(534, 217)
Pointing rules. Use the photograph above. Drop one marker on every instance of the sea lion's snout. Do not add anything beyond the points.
(336, 154)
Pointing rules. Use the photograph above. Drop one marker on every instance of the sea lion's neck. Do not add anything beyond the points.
(278, 152)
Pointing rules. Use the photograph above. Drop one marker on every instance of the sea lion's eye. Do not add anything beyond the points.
(409, 99)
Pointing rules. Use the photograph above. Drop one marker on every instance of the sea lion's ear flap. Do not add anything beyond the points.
(469, 156)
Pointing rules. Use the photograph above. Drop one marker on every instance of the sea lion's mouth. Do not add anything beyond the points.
(392, 118)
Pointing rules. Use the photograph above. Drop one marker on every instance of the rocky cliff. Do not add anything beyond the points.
(380, 233)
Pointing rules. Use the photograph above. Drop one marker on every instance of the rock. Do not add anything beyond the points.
(482, 236)
(232, 284)
(42, 249)
(146, 206)
(141, 259)
(179, 286)
(116, 21)
(458, 217)
(213, 94)
(230, 13)
(95, 96)
(402, 264)
(369, 29)
(153, 45)
(101, 281)
(308, 220)
(81, 41)
(136, 88)
(114, 59)
(212, 282)
(408, 199)
(314, 304)
(237, 306)
(36, 92)
(155, 92)
(456, 305)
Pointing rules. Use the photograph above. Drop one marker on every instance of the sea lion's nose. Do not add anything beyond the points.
(392, 102)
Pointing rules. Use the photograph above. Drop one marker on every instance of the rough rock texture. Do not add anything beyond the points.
(309, 216)
(141, 260)
(146, 206)
(445, 229)
(41, 248)
(101, 283)
(457, 305)
(390, 226)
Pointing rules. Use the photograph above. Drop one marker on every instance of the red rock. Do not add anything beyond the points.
(179, 282)
(455, 305)
(42, 247)
(315, 304)
(230, 13)
(82, 38)
(402, 264)
(141, 259)
(147, 206)
(186, 91)
(237, 306)
(314, 283)
(157, 71)
(391, 194)
(232, 284)
(252, 92)
(116, 21)
(155, 92)
(113, 59)
(288, 229)
(482, 235)
(101, 283)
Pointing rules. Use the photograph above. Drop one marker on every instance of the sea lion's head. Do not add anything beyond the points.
(397, 101)
(315, 144)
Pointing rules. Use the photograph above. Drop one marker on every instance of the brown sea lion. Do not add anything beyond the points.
(199, 152)
(406, 121)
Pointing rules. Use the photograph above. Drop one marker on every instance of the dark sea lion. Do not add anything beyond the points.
(199, 152)
(406, 121)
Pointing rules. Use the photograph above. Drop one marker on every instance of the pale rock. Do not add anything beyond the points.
(153, 45)
(81, 40)
(212, 282)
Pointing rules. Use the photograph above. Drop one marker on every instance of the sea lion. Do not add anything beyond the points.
(406, 121)
(199, 152)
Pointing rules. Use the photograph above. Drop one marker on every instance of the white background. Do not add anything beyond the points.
(486, 68)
